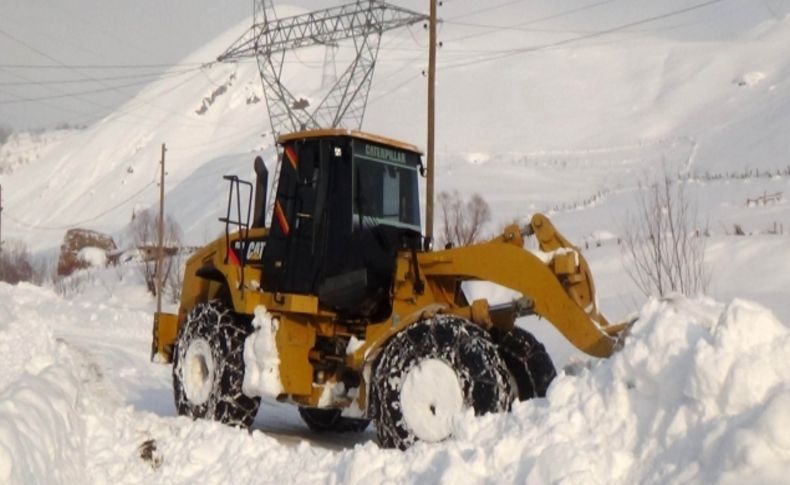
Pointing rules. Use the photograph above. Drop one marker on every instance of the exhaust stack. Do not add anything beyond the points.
(261, 182)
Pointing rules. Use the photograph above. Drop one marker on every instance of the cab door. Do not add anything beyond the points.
(293, 255)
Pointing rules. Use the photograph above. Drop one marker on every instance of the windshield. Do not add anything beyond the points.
(385, 192)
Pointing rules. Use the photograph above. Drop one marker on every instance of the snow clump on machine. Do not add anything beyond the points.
(261, 360)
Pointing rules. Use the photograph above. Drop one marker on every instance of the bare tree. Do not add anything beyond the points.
(5, 134)
(145, 237)
(664, 242)
(463, 221)
(174, 282)
(15, 262)
(44, 268)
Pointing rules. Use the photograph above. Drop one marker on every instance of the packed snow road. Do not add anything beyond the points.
(699, 395)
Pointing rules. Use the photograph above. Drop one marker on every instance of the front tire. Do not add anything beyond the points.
(208, 367)
(431, 372)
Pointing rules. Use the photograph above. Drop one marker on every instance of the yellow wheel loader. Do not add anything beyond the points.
(341, 307)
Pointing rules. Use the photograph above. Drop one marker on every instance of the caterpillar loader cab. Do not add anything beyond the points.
(344, 206)
(341, 307)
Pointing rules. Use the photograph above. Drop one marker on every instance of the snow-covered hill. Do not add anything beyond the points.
(565, 111)
(702, 91)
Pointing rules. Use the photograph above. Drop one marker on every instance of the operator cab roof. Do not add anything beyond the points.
(301, 135)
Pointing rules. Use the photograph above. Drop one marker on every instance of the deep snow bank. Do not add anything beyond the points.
(700, 394)
(41, 427)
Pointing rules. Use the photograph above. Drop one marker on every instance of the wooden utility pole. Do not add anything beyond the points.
(160, 249)
(431, 106)
(1, 218)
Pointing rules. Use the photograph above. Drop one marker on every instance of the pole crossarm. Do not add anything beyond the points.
(321, 27)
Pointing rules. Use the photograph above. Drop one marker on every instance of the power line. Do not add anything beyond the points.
(82, 222)
(149, 75)
(486, 9)
(522, 50)
(492, 29)
(77, 94)
(20, 76)
(396, 88)
(90, 219)
(139, 102)
(529, 22)
(102, 66)
(51, 105)
(108, 88)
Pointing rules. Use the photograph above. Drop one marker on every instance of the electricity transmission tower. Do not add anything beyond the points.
(329, 72)
(269, 38)
(363, 22)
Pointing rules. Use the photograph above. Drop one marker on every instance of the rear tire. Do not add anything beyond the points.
(527, 360)
(208, 367)
(429, 373)
(332, 421)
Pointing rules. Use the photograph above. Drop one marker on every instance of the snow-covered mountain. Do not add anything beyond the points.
(557, 122)
(562, 106)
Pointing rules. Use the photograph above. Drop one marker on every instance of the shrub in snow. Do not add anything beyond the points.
(15, 262)
(5, 133)
(462, 220)
(664, 244)
(144, 231)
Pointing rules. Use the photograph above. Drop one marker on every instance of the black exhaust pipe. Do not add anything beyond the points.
(261, 182)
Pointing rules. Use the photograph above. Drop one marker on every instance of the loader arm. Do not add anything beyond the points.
(560, 288)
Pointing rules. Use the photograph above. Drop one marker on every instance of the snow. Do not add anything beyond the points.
(548, 257)
(558, 129)
(199, 371)
(96, 257)
(700, 392)
(42, 437)
(430, 415)
(261, 361)
(354, 344)
(750, 79)
(28, 147)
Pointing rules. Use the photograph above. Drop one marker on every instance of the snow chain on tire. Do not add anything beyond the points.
(465, 347)
(527, 360)
(216, 337)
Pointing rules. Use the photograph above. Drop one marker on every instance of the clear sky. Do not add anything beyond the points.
(105, 50)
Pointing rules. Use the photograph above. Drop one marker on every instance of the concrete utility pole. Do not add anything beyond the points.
(431, 106)
(160, 250)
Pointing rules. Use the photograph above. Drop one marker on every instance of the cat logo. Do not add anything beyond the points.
(254, 251)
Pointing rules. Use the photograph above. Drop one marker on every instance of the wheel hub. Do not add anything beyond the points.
(198, 371)
(430, 397)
